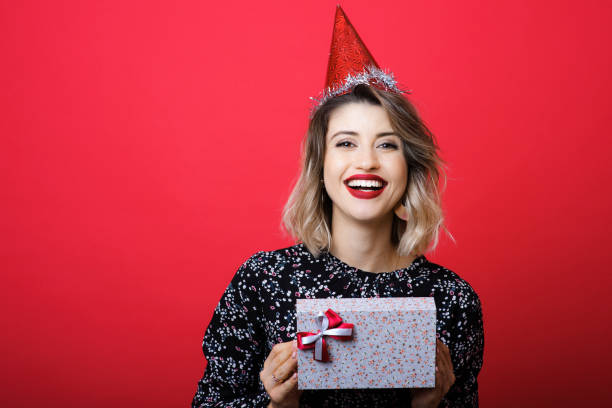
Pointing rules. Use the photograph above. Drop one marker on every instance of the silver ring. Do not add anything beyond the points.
(276, 380)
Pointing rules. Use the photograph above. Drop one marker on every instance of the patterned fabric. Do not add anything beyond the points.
(257, 311)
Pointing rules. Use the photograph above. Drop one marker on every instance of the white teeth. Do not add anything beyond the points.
(365, 183)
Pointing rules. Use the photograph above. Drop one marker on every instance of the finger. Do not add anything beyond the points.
(287, 368)
(450, 372)
(444, 366)
(279, 353)
(447, 376)
(438, 368)
(284, 353)
(270, 381)
(285, 388)
(441, 346)
(446, 358)
(443, 355)
(271, 364)
(275, 350)
(441, 368)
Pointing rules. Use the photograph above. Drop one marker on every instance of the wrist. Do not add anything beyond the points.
(274, 405)
(429, 403)
(422, 405)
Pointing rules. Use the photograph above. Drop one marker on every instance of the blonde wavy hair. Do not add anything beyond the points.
(308, 210)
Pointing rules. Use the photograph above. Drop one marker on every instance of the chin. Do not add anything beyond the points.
(370, 217)
(364, 213)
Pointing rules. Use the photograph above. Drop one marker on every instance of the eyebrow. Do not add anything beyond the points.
(353, 133)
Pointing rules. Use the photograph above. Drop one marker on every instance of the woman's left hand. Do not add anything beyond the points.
(445, 378)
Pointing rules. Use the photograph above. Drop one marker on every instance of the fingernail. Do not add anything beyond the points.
(294, 355)
(294, 376)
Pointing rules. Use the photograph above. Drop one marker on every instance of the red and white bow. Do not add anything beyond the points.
(328, 324)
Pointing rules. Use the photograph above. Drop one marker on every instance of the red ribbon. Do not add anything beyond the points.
(328, 324)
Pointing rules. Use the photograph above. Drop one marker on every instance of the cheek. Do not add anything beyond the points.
(332, 166)
(401, 174)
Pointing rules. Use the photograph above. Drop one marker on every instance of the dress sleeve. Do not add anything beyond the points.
(466, 353)
(233, 346)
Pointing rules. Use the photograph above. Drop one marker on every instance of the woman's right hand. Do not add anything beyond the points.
(279, 376)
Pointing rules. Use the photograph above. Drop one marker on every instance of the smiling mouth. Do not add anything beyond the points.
(365, 185)
(365, 188)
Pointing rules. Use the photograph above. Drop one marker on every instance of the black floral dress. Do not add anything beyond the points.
(257, 311)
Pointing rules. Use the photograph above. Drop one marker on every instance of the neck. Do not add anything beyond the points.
(366, 246)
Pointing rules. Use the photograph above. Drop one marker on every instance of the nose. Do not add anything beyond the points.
(367, 159)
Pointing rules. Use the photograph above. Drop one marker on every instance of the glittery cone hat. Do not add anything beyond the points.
(350, 63)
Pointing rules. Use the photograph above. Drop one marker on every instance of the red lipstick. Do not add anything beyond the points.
(365, 194)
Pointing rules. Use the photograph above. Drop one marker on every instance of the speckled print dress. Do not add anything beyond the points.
(257, 311)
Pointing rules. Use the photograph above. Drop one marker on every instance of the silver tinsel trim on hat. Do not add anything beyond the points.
(370, 75)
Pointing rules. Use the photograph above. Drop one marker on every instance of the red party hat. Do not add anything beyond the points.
(348, 54)
(350, 63)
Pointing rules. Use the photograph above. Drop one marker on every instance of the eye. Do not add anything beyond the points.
(388, 145)
(344, 144)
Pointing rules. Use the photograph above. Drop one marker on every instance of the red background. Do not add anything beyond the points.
(148, 148)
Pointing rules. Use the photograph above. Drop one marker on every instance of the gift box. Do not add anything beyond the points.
(366, 343)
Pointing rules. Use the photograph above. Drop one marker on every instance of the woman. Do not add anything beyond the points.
(365, 208)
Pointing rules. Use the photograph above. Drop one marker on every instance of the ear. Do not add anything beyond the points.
(401, 211)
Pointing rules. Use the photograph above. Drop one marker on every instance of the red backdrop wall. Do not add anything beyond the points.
(149, 146)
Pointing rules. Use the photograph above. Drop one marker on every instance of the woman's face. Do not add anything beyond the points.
(364, 168)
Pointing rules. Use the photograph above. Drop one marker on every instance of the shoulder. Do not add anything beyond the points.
(452, 286)
(276, 262)
(268, 275)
